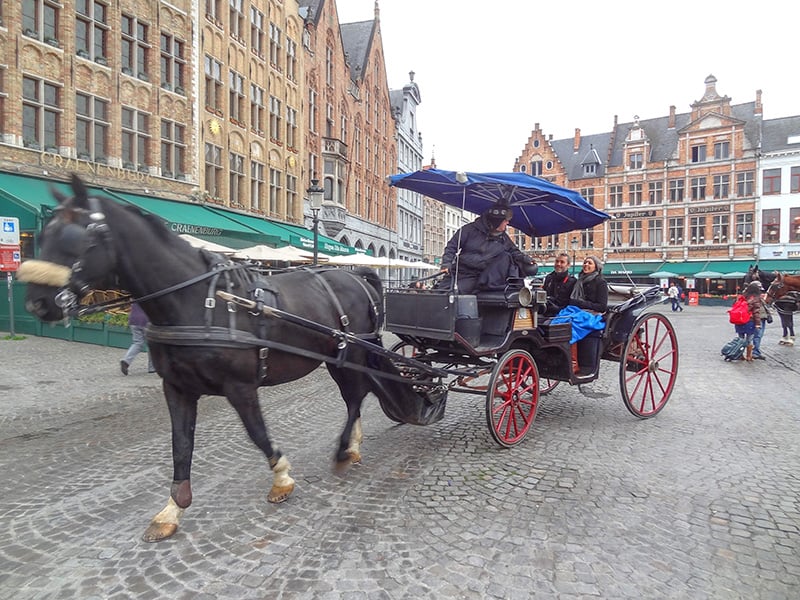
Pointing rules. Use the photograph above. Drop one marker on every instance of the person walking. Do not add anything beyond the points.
(752, 295)
(137, 322)
(786, 307)
(675, 297)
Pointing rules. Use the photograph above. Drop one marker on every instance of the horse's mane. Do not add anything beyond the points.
(157, 225)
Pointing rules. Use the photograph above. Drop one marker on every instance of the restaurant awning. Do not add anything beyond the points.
(633, 269)
(27, 198)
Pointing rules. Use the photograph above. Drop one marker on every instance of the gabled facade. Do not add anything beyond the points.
(350, 130)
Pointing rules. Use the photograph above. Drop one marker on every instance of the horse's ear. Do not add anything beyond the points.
(62, 200)
(81, 197)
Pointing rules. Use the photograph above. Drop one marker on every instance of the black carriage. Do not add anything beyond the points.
(498, 344)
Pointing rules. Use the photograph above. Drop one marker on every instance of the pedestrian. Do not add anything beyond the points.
(786, 307)
(766, 317)
(752, 295)
(558, 285)
(137, 322)
(482, 256)
(675, 297)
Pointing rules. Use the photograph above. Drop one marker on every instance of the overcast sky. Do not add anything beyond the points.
(487, 75)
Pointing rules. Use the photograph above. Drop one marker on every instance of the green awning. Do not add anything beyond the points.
(741, 266)
(199, 220)
(632, 269)
(786, 265)
(687, 269)
(27, 198)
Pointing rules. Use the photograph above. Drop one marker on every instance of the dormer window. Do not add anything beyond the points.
(636, 160)
(589, 169)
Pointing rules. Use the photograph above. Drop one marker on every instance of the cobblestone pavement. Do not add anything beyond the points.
(699, 502)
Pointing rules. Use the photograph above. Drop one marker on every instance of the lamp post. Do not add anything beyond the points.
(574, 251)
(315, 195)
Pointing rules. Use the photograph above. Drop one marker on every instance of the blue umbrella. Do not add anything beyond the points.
(539, 207)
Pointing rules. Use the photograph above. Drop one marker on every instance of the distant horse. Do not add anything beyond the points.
(201, 345)
(756, 274)
(782, 286)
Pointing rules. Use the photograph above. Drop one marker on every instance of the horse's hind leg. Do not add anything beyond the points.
(183, 414)
(353, 387)
(244, 399)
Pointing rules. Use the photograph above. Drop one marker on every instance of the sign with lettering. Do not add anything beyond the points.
(9, 231)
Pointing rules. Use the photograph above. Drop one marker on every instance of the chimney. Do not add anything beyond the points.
(671, 124)
(759, 109)
(577, 143)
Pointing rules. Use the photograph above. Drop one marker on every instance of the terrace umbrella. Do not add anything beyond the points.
(538, 207)
(735, 275)
(206, 245)
(708, 275)
(663, 275)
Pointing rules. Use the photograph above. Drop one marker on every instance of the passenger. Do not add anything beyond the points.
(483, 256)
(590, 295)
(558, 285)
(591, 290)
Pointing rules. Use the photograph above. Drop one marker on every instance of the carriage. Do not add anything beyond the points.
(203, 343)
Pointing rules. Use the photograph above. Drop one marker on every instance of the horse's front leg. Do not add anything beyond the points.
(183, 414)
(244, 399)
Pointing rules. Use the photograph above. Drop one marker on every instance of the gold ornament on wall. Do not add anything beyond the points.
(214, 127)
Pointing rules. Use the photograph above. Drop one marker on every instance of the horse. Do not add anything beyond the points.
(756, 274)
(200, 345)
(781, 286)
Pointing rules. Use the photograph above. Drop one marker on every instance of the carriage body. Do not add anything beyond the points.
(499, 344)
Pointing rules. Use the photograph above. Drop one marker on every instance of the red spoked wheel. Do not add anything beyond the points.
(547, 385)
(649, 365)
(512, 398)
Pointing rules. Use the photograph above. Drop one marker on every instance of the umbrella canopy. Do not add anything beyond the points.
(206, 245)
(735, 275)
(663, 275)
(708, 275)
(538, 206)
(285, 254)
(366, 260)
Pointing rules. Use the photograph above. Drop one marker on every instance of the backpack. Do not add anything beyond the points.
(734, 349)
(739, 313)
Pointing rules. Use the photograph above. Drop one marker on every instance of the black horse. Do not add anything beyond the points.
(202, 345)
(756, 274)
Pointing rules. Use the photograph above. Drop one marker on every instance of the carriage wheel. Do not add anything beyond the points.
(649, 365)
(512, 398)
(547, 385)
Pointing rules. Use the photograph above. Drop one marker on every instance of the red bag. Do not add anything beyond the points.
(739, 313)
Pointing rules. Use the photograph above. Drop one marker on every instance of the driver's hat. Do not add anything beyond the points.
(499, 213)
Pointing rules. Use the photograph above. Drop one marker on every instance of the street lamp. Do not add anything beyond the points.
(315, 195)
(574, 250)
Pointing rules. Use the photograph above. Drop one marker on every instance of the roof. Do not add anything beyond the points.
(776, 134)
(357, 41)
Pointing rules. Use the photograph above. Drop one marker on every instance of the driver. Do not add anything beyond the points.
(483, 256)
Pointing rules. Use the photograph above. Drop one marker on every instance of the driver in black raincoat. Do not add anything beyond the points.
(483, 256)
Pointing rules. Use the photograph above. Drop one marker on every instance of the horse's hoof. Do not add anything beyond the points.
(355, 457)
(159, 531)
(279, 494)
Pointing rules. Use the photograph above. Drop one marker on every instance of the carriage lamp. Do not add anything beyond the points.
(315, 195)
(574, 244)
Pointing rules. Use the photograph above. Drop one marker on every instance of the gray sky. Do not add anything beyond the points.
(487, 78)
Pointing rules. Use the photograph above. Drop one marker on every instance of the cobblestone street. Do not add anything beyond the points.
(700, 502)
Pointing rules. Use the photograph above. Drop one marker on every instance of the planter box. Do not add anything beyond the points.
(89, 333)
(118, 337)
(57, 331)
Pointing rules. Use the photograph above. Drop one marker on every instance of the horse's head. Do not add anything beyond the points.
(777, 289)
(76, 256)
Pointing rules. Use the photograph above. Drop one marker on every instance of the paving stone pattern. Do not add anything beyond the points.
(699, 502)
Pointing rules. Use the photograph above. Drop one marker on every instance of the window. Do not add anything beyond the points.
(536, 168)
(722, 150)
(329, 124)
(329, 73)
(291, 60)
(698, 188)
(274, 46)
(236, 23)
(135, 139)
(722, 186)
(312, 112)
(772, 182)
(214, 11)
(256, 185)
(274, 190)
(635, 234)
(256, 31)
(675, 231)
(655, 192)
(794, 180)
(41, 113)
(135, 47)
(794, 224)
(719, 229)
(744, 184)
(615, 234)
(213, 69)
(291, 128)
(91, 29)
(291, 196)
(236, 180)
(172, 62)
(676, 190)
(636, 160)
(589, 169)
(697, 230)
(236, 97)
(635, 194)
(588, 195)
(91, 127)
(173, 149)
(698, 154)
(655, 235)
(257, 108)
(213, 170)
(615, 195)
(771, 225)
(274, 119)
(744, 227)
(40, 20)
